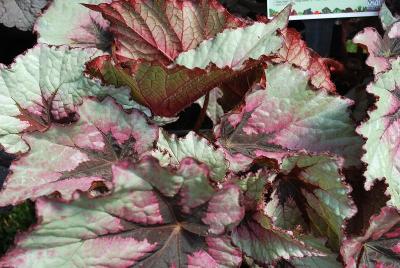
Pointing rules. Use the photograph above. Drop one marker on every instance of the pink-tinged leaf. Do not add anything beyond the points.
(164, 90)
(295, 51)
(288, 117)
(214, 109)
(320, 73)
(310, 192)
(160, 30)
(382, 133)
(394, 31)
(196, 189)
(162, 179)
(220, 254)
(378, 246)
(70, 23)
(330, 260)
(381, 50)
(201, 259)
(224, 209)
(254, 188)
(266, 244)
(238, 45)
(223, 252)
(42, 86)
(396, 248)
(134, 225)
(171, 150)
(80, 154)
(91, 231)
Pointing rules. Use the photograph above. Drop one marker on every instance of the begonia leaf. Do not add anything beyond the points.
(224, 209)
(160, 30)
(235, 90)
(196, 189)
(287, 117)
(134, 226)
(214, 109)
(67, 158)
(45, 85)
(168, 90)
(382, 133)
(286, 215)
(386, 16)
(254, 188)
(266, 244)
(295, 51)
(310, 192)
(327, 261)
(171, 150)
(20, 13)
(380, 244)
(381, 50)
(164, 90)
(238, 45)
(320, 74)
(70, 23)
(220, 253)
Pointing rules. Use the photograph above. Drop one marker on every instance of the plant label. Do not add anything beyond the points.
(325, 9)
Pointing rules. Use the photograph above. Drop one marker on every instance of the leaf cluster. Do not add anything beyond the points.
(269, 185)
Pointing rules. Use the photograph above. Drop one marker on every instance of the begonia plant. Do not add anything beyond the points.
(83, 114)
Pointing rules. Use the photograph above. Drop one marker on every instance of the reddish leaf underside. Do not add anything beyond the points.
(160, 30)
(166, 91)
(295, 51)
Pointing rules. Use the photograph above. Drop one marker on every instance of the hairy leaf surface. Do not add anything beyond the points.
(135, 226)
(70, 23)
(382, 133)
(379, 246)
(287, 117)
(69, 158)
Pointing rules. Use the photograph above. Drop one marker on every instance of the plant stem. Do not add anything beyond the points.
(202, 115)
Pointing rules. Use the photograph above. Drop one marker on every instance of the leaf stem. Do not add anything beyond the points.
(203, 113)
